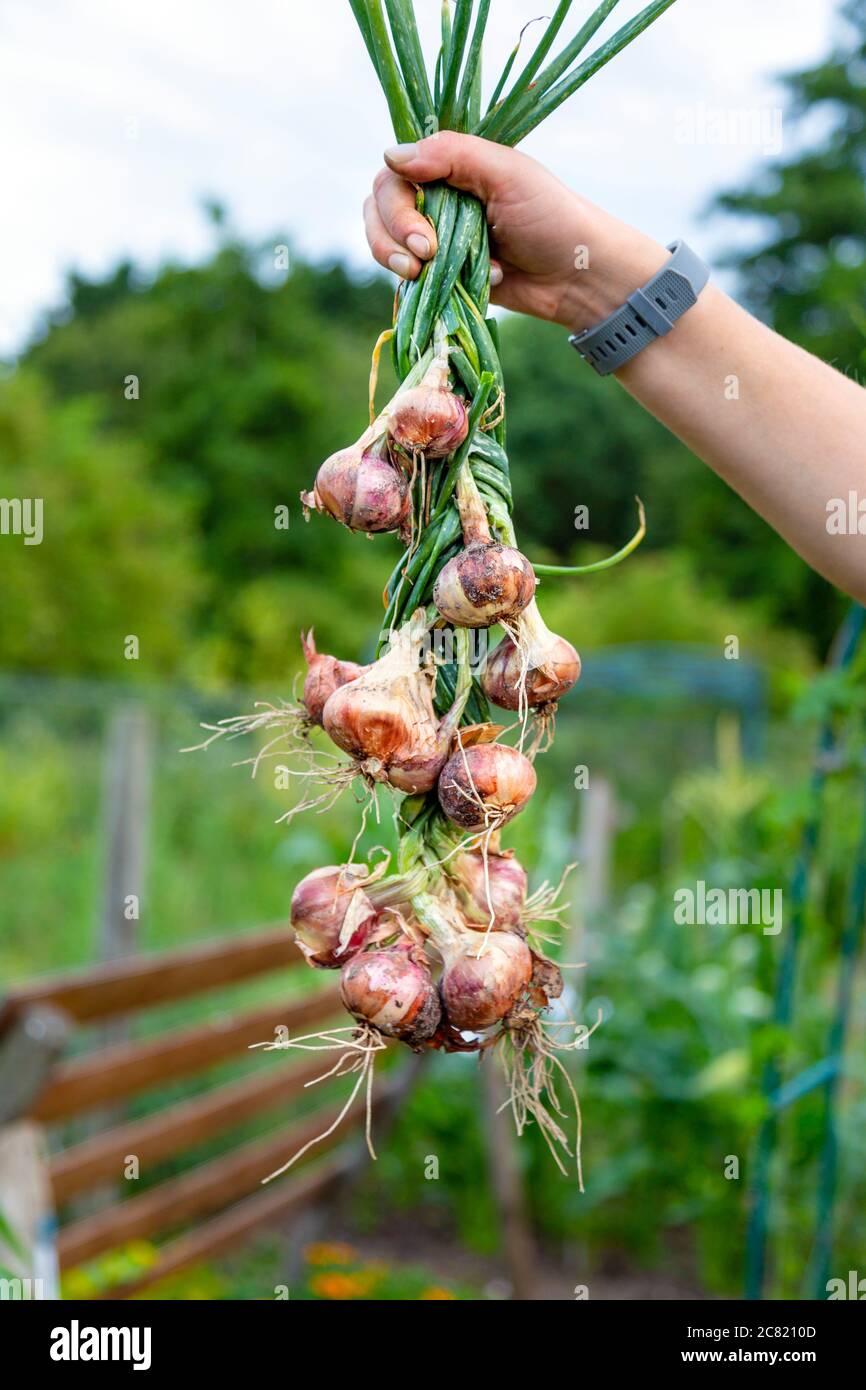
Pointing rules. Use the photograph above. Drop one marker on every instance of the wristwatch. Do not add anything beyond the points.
(647, 314)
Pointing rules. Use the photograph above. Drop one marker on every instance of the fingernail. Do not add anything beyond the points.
(419, 244)
(400, 264)
(401, 154)
(496, 275)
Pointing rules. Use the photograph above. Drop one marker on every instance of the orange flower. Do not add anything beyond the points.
(333, 1254)
(342, 1287)
(434, 1293)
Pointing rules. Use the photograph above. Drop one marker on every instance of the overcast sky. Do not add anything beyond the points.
(118, 118)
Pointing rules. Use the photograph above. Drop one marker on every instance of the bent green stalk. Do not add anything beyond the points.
(606, 564)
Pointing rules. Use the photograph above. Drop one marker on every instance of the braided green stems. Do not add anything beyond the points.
(447, 306)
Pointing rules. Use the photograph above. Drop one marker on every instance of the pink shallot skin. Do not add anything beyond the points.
(485, 786)
(362, 490)
(393, 990)
(486, 583)
(325, 674)
(320, 905)
(497, 881)
(425, 419)
(483, 982)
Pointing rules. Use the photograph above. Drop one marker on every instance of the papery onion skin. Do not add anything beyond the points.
(383, 730)
(491, 777)
(481, 985)
(485, 584)
(325, 674)
(547, 982)
(502, 886)
(545, 685)
(428, 420)
(367, 722)
(319, 906)
(363, 491)
(394, 991)
(386, 719)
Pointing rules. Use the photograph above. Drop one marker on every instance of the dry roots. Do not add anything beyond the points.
(357, 1057)
(529, 1057)
(290, 727)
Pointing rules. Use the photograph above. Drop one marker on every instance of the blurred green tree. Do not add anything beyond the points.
(117, 556)
(248, 376)
(807, 274)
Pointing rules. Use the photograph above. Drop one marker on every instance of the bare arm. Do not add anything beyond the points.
(783, 429)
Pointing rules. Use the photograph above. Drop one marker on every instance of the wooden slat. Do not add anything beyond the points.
(125, 986)
(204, 1189)
(131, 1067)
(220, 1233)
(176, 1128)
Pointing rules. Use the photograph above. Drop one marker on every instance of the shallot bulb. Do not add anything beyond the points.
(361, 488)
(536, 670)
(394, 991)
(325, 674)
(496, 882)
(486, 583)
(385, 719)
(484, 979)
(429, 418)
(485, 786)
(331, 915)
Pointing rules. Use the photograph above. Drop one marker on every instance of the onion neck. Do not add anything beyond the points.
(426, 364)
(451, 721)
(438, 375)
(473, 513)
(404, 647)
(537, 640)
(398, 888)
(439, 923)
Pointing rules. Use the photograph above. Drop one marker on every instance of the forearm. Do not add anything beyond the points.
(786, 431)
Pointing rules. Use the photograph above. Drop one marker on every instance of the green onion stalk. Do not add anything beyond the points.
(448, 303)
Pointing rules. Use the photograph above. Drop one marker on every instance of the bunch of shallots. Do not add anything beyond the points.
(440, 952)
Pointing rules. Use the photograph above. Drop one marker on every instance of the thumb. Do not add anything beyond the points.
(466, 161)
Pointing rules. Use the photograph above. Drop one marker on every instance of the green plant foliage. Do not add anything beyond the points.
(116, 557)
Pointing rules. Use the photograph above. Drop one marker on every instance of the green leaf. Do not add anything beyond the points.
(470, 87)
(519, 90)
(10, 1238)
(606, 564)
(506, 71)
(404, 30)
(560, 93)
(459, 35)
(362, 19)
(406, 125)
(524, 98)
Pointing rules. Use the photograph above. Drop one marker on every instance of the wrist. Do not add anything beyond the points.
(611, 261)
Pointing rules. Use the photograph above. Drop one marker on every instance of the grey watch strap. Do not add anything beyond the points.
(647, 314)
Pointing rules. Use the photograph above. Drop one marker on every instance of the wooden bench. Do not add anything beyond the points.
(213, 1204)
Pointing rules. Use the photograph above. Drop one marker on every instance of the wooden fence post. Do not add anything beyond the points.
(126, 812)
(517, 1238)
(127, 788)
(597, 830)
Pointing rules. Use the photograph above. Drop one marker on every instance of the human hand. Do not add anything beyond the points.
(555, 255)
